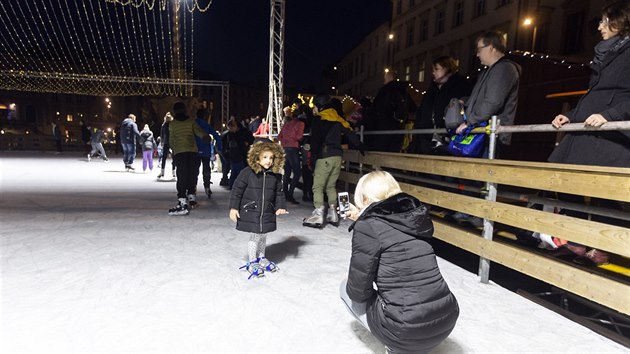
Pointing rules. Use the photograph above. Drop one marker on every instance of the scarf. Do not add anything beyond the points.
(330, 115)
(602, 48)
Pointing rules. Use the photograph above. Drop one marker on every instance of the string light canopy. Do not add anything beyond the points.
(98, 47)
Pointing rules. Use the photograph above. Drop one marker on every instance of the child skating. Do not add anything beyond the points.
(256, 199)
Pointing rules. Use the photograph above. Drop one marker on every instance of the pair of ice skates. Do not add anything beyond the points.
(161, 175)
(317, 217)
(258, 267)
(184, 205)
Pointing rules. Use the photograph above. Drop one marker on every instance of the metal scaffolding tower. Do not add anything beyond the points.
(276, 65)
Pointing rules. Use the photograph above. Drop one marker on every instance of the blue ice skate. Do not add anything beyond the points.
(267, 265)
(254, 268)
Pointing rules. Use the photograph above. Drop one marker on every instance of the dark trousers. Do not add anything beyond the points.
(225, 167)
(58, 144)
(187, 170)
(166, 150)
(292, 166)
(235, 168)
(206, 171)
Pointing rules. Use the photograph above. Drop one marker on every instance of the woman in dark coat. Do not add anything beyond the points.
(412, 310)
(607, 99)
(447, 84)
(256, 199)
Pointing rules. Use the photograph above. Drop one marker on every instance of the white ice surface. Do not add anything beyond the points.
(92, 263)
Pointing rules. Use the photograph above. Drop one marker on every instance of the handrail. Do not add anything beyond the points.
(525, 128)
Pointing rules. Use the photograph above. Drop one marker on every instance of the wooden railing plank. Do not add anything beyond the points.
(591, 286)
(602, 182)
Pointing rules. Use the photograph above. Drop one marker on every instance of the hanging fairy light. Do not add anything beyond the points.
(100, 47)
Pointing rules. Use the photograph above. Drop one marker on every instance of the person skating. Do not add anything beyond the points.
(148, 144)
(128, 134)
(96, 139)
(182, 132)
(256, 199)
(327, 129)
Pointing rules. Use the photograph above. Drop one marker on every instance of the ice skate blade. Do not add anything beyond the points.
(315, 226)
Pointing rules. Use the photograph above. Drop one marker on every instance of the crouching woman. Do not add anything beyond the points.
(394, 287)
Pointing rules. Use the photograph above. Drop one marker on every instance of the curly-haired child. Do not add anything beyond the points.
(256, 199)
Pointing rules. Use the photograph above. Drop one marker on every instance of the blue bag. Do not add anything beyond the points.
(467, 144)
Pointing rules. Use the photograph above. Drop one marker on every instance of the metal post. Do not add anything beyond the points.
(488, 225)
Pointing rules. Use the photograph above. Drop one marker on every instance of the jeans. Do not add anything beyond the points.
(291, 165)
(129, 153)
(357, 309)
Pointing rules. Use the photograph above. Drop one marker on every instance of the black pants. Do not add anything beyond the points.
(166, 150)
(206, 171)
(187, 170)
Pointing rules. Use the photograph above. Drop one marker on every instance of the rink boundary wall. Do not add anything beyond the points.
(601, 182)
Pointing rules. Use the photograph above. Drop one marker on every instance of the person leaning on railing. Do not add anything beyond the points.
(607, 99)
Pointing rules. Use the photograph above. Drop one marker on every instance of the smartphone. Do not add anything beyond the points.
(344, 203)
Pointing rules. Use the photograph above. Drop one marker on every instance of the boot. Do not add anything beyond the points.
(180, 209)
(332, 217)
(192, 201)
(208, 192)
(316, 219)
(161, 173)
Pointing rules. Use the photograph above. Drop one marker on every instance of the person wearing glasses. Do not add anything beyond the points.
(494, 93)
(607, 99)
(496, 90)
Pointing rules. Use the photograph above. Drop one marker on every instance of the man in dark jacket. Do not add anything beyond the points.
(389, 111)
(128, 134)
(326, 132)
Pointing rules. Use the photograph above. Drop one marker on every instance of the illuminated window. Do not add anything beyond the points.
(421, 68)
(69, 118)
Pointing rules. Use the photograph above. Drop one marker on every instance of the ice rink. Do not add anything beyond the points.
(92, 263)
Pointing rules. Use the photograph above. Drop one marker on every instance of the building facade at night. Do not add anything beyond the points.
(420, 31)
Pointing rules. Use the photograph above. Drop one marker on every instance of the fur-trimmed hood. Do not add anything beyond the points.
(258, 147)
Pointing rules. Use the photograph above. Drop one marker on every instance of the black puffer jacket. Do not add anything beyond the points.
(257, 193)
(413, 310)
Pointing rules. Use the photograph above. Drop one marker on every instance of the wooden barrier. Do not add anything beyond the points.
(600, 182)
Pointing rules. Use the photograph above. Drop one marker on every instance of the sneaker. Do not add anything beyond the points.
(180, 209)
(316, 219)
(266, 264)
(208, 192)
(192, 201)
(331, 216)
(89, 157)
(254, 269)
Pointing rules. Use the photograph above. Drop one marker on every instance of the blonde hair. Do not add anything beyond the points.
(374, 187)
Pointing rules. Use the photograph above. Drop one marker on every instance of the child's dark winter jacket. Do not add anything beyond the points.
(413, 309)
(257, 193)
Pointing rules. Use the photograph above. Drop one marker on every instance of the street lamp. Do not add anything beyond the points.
(530, 22)
(108, 102)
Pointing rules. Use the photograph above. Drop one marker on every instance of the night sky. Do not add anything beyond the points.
(232, 38)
